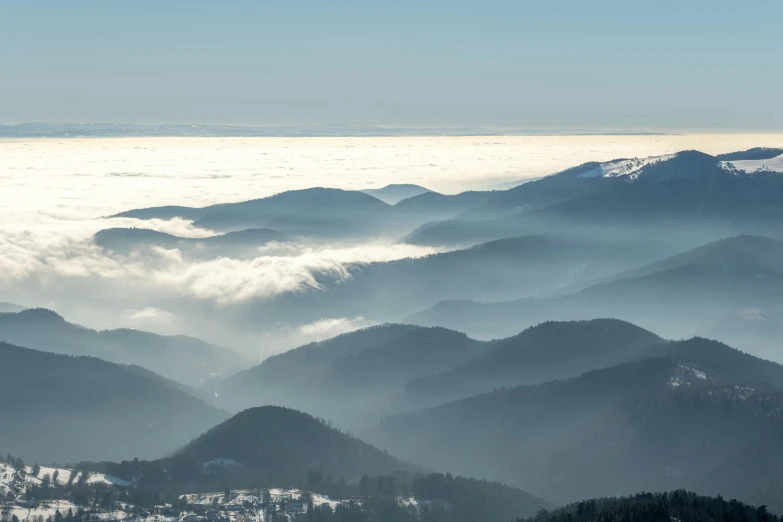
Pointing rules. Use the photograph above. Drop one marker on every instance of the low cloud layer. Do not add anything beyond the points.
(54, 263)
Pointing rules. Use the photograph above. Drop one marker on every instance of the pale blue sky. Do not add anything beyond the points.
(568, 64)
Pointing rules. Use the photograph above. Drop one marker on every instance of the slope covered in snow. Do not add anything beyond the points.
(771, 165)
(624, 167)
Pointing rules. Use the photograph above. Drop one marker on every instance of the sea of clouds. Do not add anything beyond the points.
(57, 193)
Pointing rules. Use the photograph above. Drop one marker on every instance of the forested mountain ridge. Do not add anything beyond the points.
(64, 408)
(367, 369)
(657, 507)
(319, 212)
(686, 194)
(550, 350)
(185, 359)
(680, 296)
(697, 415)
(505, 269)
(396, 192)
(240, 244)
(287, 442)
(391, 368)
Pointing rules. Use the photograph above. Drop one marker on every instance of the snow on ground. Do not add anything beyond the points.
(774, 164)
(63, 474)
(696, 373)
(239, 497)
(45, 509)
(7, 473)
(9, 477)
(624, 167)
(96, 478)
(418, 504)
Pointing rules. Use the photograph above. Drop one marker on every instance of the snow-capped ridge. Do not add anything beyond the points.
(624, 167)
(750, 166)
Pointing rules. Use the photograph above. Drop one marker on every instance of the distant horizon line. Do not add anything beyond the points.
(113, 129)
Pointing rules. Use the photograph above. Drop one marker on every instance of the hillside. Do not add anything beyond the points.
(325, 213)
(367, 369)
(550, 350)
(392, 194)
(680, 296)
(288, 443)
(322, 212)
(498, 270)
(689, 194)
(433, 206)
(697, 415)
(240, 244)
(181, 358)
(65, 409)
(756, 153)
(646, 507)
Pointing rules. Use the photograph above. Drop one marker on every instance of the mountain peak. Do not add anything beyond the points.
(40, 314)
(287, 441)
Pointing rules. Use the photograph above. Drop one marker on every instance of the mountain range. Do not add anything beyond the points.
(392, 367)
(693, 195)
(61, 408)
(181, 358)
(679, 296)
(695, 414)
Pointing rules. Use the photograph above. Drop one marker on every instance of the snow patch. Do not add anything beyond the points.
(772, 165)
(623, 168)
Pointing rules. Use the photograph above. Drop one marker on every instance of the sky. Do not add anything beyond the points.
(687, 65)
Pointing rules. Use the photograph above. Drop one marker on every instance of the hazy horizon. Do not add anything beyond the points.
(612, 65)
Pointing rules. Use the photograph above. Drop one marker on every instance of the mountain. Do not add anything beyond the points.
(288, 443)
(691, 414)
(394, 193)
(687, 194)
(434, 206)
(178, 357)
(321, 212)
(562, 186)
(677, 297)
(646, 507)
(240, 244)
(550, 350)
(62, 408)
(760, 163)
(389, 368)
(498, 270)
(367, 369)
(756, 153)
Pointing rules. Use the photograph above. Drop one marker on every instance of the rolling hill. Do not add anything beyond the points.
(550, 350)
(181, 358)
(320, 213)
(691, 414)
(391, 368)
(367, 369)
(395, 193)
(689, 194)
(645, 507)
(505, 269)
(289, 443)
(62, 408)
(241, 244)
(677, 297)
